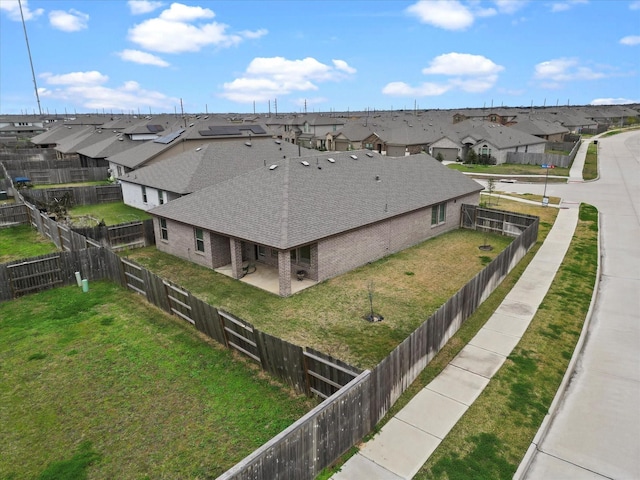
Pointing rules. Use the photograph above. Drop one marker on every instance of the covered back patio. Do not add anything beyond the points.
(266, 277)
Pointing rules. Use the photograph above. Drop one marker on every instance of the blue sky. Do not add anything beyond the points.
(243, 56)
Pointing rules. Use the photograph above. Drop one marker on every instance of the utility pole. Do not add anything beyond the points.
(33, 73)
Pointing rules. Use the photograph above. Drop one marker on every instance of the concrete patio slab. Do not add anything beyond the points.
(478, 360)
(432, 412)
(507, 324)
(362, 467)
(495, 341)
(459, 384)
(400, 448)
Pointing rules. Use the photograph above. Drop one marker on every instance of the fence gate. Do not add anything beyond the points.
(324, 376)
(178, 305)
(34, 275)
(239, 335)
(133, 277)
(468, 216)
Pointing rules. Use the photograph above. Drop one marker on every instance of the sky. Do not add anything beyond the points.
(246, 56)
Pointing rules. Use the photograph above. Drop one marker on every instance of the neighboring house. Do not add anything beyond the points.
(325, 217)
(350, 137)
(201, 167)
(544, 129)
(502, 116)
(308, 130)
(495, 140)
(183, 138)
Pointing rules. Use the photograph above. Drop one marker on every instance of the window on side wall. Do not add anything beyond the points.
(144, 194)
(199, 235)
(164, 233)
(438, 214)
(160, 197)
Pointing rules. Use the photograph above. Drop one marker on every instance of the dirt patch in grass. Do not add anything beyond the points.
(102, 385)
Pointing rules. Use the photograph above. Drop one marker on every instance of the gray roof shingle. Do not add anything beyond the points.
(294, 204)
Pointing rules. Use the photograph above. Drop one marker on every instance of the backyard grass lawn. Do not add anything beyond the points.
(507, 169)
(407, 288)
(112, 213)
(96, 183)
(23, 241)
(103, 385)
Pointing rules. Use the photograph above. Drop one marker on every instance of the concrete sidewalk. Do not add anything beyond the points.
(407, 441)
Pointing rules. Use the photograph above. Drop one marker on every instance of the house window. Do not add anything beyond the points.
(160, 197)
(438, 214)
(301, 255)
(144, 194)
(164, 233)
(199, 234)
(262, 251)
(485, 150)
(120, 170)
(274, 253)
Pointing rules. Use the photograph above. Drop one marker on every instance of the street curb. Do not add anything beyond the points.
(529, 456)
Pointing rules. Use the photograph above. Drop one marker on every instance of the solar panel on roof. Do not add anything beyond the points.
(170, 137)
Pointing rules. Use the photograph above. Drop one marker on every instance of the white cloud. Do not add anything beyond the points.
(71, 21)
(139, 7)
(177, 30)
(466, 72)
(510, 6)
(401, 89)
(144, 58)
(88, 89)
(447, 14)
(267, 78)
(76, 78)
(566, 5)
(635, 5)
(12, 9)
(560, 70)
(630, 40)
(612, 101)
(461, 64)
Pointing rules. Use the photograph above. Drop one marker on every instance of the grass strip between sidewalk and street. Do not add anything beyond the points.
(492, 437)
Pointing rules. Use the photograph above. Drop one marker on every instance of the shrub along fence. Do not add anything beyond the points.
(355, 401)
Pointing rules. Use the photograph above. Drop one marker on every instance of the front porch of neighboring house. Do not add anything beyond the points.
(265, 268)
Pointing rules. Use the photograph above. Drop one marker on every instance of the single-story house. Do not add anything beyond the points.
(324, 215)
(200, 167)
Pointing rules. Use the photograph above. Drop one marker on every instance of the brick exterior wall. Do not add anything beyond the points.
(339, 254)
(182, 243)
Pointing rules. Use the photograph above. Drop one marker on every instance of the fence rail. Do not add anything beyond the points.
(354, 402)
(88, 195)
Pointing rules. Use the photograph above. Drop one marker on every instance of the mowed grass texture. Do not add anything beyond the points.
(407, 288)
(23, 241)
(102, 385)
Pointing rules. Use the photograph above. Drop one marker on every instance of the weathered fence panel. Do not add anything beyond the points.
(282, 360)
(239, 335)
(12, 215)
(325, 374)
(87, 195)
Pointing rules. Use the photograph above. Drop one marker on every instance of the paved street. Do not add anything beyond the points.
(595, 430)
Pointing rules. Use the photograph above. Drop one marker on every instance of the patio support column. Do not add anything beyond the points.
(284, 272)
(236, 257)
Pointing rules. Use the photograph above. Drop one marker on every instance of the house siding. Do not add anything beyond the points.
(181, 243)
(341, 253)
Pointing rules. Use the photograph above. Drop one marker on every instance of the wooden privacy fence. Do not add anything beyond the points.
(524, 158)
(319, 438)
(12, 215)
(122, 236)
(89, 195)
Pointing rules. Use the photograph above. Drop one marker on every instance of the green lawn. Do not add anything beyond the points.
(102, 385)
(75, 184)
(112, 213)
(507, 169)
(23, 241)
(408, 288)
(590, 169)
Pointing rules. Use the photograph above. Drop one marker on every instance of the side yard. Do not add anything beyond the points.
(106, 386)
(23, 241)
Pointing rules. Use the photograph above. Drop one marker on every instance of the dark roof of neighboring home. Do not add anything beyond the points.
(496, 134)
(139, 154)
(212, 163)
(109, 144)
(539, 126)
(58, 133)
(294, 204)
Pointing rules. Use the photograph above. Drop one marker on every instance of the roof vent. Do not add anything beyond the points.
(120, 139)
(198, 149)
(355, 157)
(305, 163)
(369, 154)
(191, 124)
(273, 167)
(331, 160)
(248, 144)
(278, 142)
